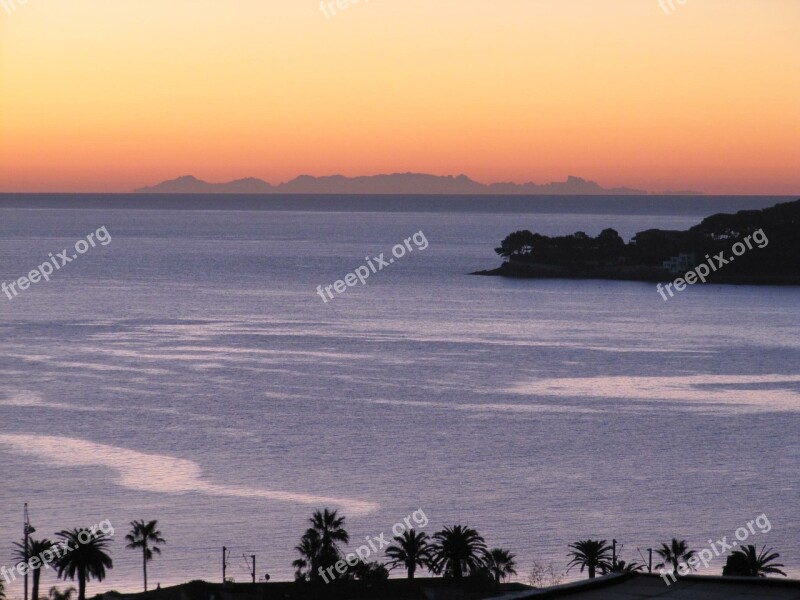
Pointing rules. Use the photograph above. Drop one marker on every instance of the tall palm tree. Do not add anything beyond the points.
(411, 550)
(458, 551)
(85, 560)
(322, 539)
(35, 548)
(748, 562)
(591, 555)
(673, 555)
(145, 536)
(55, 594)
(501, 564)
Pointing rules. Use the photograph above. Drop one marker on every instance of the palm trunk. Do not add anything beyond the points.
(81, 583)
(592, 571)
(411, 570)
(144, 567)
(35, 589)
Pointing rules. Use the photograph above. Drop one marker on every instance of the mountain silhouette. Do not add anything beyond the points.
(396, 183)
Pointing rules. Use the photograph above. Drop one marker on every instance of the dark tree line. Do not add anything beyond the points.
(768, 239)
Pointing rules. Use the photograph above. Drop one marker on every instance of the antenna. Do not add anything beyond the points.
(641, 555)
(253, 570)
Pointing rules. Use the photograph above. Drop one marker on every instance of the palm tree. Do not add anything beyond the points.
(458, 551)
(617, 565)
(625, 567)
(319, 546)
(55, 594)
(300, 565)
(142, 535)
(411, 550)
(748, 562)
(35, 548)
(85, 560)
(676, 553)
(308, 549)
(591, 555)
(2, 590)
(501, 564)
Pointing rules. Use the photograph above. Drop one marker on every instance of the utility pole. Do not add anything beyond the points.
(650, 561)
(27, 530)
(613, 554)
(253, 556)
(224, 562)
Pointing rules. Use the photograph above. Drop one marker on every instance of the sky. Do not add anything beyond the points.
(110, 95)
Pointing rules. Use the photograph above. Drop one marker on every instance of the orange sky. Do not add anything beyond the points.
(108, 95)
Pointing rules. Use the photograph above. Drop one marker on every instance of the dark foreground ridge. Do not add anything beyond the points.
(389, 589)
(627, 586)
(749, 247)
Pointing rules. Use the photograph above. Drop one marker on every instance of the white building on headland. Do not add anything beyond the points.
(680, 263)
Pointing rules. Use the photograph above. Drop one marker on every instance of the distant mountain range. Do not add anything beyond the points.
(397, 183)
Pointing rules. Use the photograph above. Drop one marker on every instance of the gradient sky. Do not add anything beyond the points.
(108, 95)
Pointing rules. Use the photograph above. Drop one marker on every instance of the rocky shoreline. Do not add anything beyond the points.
(644, 273)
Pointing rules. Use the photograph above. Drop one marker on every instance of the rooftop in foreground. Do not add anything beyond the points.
(623, 586)
(640, 586)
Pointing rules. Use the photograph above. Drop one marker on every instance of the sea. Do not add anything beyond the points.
(183, 366)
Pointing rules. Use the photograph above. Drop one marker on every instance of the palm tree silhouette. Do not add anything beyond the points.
(86, 559)
(55, 594)
(617, 565)
(35, 548)
(142, 535)
(591, 555)
(2, 590)
(674, 554)
(309, 550)
(624, 567)
(501, 564)
(457, 551)
(748, 562)
(411, 550)
(319, 546)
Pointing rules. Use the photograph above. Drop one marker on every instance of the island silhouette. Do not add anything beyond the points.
(748, 247)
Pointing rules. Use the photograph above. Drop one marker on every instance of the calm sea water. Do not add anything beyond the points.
(188, 372)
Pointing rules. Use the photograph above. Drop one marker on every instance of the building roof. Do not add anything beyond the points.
(644, 586)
